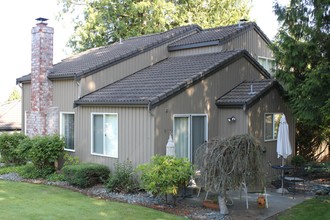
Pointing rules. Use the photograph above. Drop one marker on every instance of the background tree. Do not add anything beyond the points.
(14, 95)
(302, 51)
(102, 22)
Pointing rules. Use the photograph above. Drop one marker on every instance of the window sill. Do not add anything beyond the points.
(103, 155)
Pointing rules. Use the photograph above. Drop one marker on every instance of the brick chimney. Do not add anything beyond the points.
(41, 115)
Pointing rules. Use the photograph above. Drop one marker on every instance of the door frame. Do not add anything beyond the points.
(190, 116)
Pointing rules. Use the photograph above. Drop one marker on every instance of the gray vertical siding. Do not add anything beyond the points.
(240, 126)
(122, 69)
(26, 103)
(200, 99)
(272, 102)
(136, 134)
(64, 94)
(251, 41)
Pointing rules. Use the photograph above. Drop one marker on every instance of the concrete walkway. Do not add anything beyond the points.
(237, 210)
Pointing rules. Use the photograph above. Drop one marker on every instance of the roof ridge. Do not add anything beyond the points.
(11, 104)
(244, 25)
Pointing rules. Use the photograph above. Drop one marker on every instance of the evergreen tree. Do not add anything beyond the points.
(302, 51)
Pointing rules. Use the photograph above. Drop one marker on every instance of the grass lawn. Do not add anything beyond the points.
(31, 201)
(316, 208)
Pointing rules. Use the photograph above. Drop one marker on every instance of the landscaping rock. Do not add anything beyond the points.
(11, 177)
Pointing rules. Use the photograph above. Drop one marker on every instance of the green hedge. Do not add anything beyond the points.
(10, 150)
(46, 150)
(86, 174)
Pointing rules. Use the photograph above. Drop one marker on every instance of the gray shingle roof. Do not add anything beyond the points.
(98, 58)
(10, 116)
(215, 36)
(245, 93)
(160, 81)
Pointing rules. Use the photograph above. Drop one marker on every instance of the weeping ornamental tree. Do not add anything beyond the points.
(227, 163)
(302, 52)
(102, 22)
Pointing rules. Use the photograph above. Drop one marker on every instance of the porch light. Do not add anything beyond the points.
(231, 119)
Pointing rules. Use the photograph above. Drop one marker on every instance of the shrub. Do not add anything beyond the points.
(8, 148)
(165, 174)
(30, 171)
(122, 179)
(46, 150)
(85, 174)
(298, 160)
(11, 169)
(70, 160)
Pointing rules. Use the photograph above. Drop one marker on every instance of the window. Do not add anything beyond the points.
(105, 134)
(67, 129)
(268, 64)
(190, 131)
(272, 122)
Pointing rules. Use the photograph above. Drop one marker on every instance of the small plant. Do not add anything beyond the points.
(122, 179)
(70, 160)
(86, 174)
(165, 174)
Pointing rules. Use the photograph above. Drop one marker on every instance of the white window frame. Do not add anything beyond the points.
(189, 116)
(92, 134)
(268, 59)
(61, 132)
(273, 127)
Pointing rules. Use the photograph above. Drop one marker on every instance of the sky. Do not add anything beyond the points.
(18, 17)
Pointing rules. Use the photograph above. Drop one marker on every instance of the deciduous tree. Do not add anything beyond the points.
(102, 22)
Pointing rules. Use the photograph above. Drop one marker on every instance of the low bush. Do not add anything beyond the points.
(46, 150)
(11, 169)
(9, 148)
(122, 179)
(298, 160)
(86, 174)
(29, 171)
(165, 175)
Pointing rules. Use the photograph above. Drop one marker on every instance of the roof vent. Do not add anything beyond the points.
(251, 90)
(120, 41)
(41, 20)
(242, 21)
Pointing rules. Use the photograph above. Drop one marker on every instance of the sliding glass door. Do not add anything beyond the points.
(190, 131)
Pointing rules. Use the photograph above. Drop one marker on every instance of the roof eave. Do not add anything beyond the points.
(195, 45)
(126, 104)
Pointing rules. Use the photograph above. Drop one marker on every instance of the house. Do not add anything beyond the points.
(10, 116)
(123, 101)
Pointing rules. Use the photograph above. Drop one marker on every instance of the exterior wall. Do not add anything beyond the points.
(121, 70)
(136, 135)
(250, 40)
(239, 126)
(65, 93)
(200, 99)
(270, 103)
(26, 103)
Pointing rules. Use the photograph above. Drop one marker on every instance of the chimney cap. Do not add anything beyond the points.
(42, 20)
